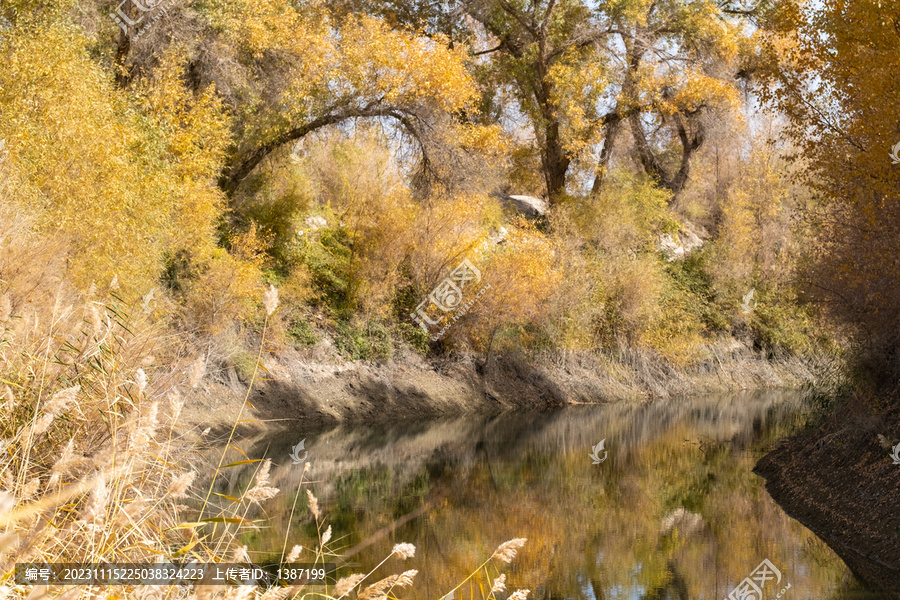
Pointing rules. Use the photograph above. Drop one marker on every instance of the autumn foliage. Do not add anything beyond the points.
(354, 153)
(833, 73)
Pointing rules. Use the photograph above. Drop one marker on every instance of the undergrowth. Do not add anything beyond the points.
(97, 463)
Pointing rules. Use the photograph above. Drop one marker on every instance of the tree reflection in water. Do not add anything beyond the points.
(673, 513)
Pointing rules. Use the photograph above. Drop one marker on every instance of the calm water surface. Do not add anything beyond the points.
(673, 511)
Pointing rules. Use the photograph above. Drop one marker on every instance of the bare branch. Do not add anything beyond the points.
(521, 20)
(482, 52)
(244, 165)
(547, 14)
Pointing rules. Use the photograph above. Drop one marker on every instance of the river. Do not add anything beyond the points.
(667, 508)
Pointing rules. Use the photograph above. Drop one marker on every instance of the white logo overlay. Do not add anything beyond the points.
(148, 304)
(895, 154)
(448, 295)
(596, 452)
(746, 301)
(295, 452)
(295, 152)
(751, 587)
(896, 454)
(129, 25)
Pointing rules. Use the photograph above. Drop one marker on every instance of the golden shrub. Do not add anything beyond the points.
(447, 229)
(519, 277)
(226, 291)
(369, 214)
(126, 181)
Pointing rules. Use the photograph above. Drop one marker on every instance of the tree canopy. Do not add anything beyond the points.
(832, 71)
(209, 134)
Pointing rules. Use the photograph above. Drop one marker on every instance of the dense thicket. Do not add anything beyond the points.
(833, 71)
(353, 153)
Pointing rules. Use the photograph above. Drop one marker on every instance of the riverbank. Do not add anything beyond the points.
(840, 482)
(318, 388)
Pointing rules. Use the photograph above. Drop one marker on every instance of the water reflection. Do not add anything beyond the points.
(673, 512)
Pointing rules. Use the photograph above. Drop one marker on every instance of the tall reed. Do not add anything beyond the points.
(96, 458)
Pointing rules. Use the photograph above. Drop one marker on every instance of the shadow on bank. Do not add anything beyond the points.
(840, 481)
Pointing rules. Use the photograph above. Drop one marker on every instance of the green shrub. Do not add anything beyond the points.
(244, 362)
(781, 327)
(369, 342)
(301, 335)
(692, 280)
(328, 258)
(415, 336)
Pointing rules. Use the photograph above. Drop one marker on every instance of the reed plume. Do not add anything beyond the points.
(196, 372)
(313, 504)
(143, 434)
(10, 399)
(506, 551)
(295, 554)
(379, 589)
(140, 379)
(262, 490)
(95, 511)
(404, 550)
(64, 464)
(180, 485)
(62, 400)
(5, 308)
(270, 300)
(345, 584)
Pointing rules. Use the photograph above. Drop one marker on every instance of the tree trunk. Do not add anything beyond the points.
(610, 132)
(690, 141)
(556, 163)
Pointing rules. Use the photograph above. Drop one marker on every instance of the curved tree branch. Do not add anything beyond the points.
(489, 51)
(612, 123)
(546, 20)
(690, 143)
(244, 164)
(645, 153)
(691, 138)
(515, 14)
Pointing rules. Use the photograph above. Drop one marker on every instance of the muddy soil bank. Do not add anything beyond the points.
(318, 388)
(840, 482)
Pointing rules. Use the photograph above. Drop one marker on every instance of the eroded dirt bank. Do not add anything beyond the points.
(840, 482)
(318, 388)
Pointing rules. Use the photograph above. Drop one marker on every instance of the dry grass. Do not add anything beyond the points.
(95, 464)
(91, 462)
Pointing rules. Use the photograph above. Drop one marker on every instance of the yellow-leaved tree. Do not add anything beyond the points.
(127, 180)
(292, 69)
(833, 71)
(585, 72)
